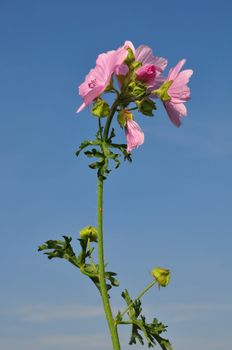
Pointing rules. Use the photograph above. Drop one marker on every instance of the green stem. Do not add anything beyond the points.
(90, 257)
(109, 119)
(139, 297)
(104, 294)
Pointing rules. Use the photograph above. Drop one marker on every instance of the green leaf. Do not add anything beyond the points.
(85, 144)
(141, 330)
(95, 165)
(112, 135)
(94, 153)
(60, 249)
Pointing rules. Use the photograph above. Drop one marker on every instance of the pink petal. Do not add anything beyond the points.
(179, 91)
(182, 78)
(121, 70)
(129, 44)
(180, 95)
(175, 112)
(81, 108)
(134, 135)
(144, 55)
(92, 94)
(99, 78)
(174, 71)
(160, 63)
(158, 81)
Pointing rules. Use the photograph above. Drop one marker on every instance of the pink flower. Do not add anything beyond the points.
(134, 135)
(178, 92)
(152, 66)
(99, 77)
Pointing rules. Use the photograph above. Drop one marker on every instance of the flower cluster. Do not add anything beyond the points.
(140, 80)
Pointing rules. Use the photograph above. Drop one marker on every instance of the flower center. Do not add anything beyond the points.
(92, 83)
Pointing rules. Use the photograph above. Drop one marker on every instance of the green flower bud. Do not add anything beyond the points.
(146, 106)
(137, 90)
(135, 65)
(123, 116)
(89, 232)
(130, 57)
(100, 108)
(162, 92)
(162, 276)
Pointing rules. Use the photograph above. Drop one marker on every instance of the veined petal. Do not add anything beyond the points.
(174, 71)
(179, 95)
(182, 79)
(175, 112)
(160, 63)
(92, 94)
(134, 135)
(99, 77)
(143, 54)
(179, 91)
(158, 81)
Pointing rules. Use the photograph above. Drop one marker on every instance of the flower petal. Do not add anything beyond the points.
(174, 71)
(143, 54)
(175, 112)
(134, 135)
(179, 91)
(81, 108)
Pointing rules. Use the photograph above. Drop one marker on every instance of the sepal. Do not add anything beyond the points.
(162, 92)
(146, 106)
(100, 108)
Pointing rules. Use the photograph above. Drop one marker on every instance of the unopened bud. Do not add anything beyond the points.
(89, 232)
(130, 57)
(162, 276)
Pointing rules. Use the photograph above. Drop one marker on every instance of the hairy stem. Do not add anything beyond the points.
(103, 287)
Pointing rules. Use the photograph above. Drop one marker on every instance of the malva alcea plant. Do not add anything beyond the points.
(135, 78)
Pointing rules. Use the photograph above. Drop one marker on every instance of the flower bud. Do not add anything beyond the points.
(130, 56)
(162, 276)
(89, 232)
(137, 89)
(146, 73)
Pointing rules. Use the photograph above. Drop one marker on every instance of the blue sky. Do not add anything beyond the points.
(171, 207)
